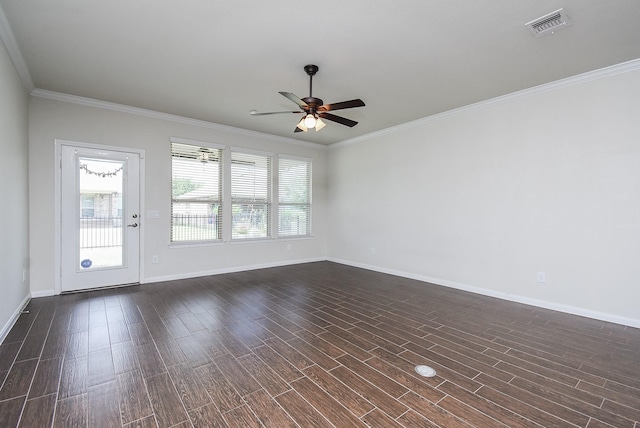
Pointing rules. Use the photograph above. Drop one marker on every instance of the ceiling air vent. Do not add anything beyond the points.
(549, 23)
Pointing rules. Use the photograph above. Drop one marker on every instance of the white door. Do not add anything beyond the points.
(100, 218)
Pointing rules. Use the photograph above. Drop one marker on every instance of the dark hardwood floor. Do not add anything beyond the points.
(312, 345)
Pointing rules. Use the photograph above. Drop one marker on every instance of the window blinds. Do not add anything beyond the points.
(250, 195)
(294, 197)
(196, 193)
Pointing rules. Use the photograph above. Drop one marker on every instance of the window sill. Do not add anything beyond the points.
(251, 240)
(191, 244)
(295, 238)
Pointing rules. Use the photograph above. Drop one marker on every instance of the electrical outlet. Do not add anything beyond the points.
(542, 277)
(372, 251)
(155, 259)
(289, 247)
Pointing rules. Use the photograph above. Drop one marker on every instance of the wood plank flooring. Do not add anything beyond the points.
(312, 345)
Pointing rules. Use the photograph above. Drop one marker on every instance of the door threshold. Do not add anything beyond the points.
(106, 287)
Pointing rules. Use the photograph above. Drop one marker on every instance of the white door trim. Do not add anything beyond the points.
(58, 203)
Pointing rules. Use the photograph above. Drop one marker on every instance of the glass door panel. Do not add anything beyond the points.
(100, 222)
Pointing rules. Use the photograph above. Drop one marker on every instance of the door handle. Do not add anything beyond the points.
(133, 225)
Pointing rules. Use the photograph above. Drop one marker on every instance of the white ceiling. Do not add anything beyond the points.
(216, 60)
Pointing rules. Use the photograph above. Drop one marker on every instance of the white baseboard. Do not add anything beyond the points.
(45, 293)
(602, 316)
(187, 275)
(14, 317)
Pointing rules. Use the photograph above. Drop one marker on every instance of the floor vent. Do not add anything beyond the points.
(549, 23)
(425, 371)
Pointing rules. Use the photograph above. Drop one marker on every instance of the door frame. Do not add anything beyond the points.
(57, 254)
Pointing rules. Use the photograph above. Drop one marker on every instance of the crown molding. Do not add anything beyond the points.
(625, 67)
(91, 102)
(10, 42)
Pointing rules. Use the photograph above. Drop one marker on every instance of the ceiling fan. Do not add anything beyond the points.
(313, 108)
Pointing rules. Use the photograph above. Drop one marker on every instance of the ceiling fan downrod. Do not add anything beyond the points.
(311, 70)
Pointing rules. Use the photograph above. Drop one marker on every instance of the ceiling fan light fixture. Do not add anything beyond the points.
(301, 126)
(310, 121)
(320, 124)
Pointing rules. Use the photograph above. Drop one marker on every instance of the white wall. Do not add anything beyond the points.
(52, 119)
(485, 197)
(14, 207)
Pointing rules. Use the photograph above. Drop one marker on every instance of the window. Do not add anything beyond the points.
(294, 197)
(196, 193)
(201, 173)
(250, 194)
(87, 205)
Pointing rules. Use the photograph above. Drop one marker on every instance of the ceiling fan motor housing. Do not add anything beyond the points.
(313, 104)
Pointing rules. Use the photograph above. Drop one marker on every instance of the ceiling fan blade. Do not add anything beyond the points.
(338, 119)
(298, 130)
(295, 99)
(341, 105)
(256, 113)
